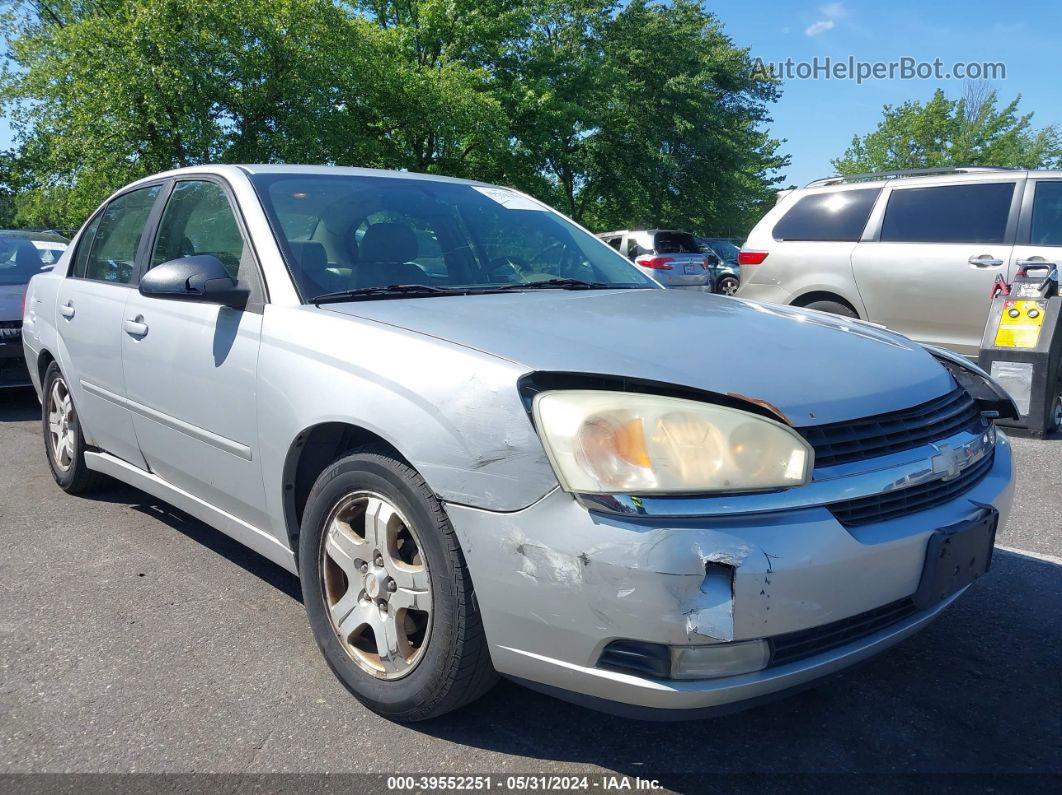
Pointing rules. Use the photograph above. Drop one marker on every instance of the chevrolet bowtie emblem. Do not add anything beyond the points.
(950, 462)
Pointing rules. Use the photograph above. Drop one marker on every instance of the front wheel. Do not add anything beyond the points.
(387, 590)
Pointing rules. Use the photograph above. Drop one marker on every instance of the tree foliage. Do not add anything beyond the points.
(970, 131)
(621, 114)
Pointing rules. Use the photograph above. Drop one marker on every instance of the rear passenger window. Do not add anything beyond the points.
(837, 215)
(1047, 215)
(949, 214)
(112, 252)
(676, 243)
(84, 246)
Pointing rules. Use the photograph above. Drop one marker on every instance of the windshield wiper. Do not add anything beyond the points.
(558, 284)
(391, 291)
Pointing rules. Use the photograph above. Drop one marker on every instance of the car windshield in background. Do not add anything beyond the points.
(345, 233)
(676, 243)
(20, 261)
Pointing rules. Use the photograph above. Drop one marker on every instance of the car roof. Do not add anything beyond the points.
(916, 177)
(29, 234)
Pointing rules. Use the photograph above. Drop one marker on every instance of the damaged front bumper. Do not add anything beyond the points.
(557, 584)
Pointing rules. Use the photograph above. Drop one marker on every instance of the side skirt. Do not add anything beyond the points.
(248, 535)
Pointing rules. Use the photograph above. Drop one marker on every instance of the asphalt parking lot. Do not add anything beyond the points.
(134, 638)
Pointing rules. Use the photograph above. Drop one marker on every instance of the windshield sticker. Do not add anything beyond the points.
(510, 200)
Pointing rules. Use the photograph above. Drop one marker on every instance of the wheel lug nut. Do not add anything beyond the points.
(392, 586)
(364, 568)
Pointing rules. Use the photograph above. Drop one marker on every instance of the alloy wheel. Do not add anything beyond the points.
(376, 585)
(61, 434)
(729, 286)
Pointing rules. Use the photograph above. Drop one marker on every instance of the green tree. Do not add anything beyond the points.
(637, 113)
(970, 131)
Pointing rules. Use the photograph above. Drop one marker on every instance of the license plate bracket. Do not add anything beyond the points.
(956, 555)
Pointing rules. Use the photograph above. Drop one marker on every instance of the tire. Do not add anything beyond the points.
(833, 307)
(1054, 414)
(419, 598)
(64, 443)
(727, 285)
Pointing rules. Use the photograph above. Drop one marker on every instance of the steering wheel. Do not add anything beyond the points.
(507, 269)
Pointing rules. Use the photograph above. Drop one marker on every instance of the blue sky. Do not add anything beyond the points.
(818, 117)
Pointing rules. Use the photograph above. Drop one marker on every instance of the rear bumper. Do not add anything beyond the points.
(557, 583)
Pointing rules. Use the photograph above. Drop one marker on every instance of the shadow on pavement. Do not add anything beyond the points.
(19, 405)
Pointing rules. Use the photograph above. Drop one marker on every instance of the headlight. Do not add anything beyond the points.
(623, 443)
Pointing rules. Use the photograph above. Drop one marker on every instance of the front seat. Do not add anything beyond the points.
(313, 275)
(27, 261)
(384, 257)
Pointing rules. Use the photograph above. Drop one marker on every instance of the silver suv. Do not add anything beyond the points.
(449, 410)
(916, 251)
(673, 258)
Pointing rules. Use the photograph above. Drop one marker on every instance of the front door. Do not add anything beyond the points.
(190, 368)
(929, 270)
(91, 301)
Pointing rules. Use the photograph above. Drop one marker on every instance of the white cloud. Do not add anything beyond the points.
(834, 10)
(815, 28)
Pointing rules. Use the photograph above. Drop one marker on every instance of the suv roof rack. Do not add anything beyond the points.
(910, 172)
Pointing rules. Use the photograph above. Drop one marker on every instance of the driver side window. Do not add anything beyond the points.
(198, 220)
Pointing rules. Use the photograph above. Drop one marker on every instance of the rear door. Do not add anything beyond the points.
(102, 277)
(928, 267)
(1039, 238)
(190, 368)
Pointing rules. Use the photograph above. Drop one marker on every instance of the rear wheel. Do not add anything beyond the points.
(64, 444)
(387, 590)
(727, 285)
(1054, 416)
(833, 307)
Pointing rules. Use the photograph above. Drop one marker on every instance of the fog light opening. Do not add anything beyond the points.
(719, 659)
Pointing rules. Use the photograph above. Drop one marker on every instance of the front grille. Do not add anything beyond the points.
(856, 440)
(808, 642)
(902, 502)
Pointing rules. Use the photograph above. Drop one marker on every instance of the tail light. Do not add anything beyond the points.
(706, 264)
(751, 257)
(656, 263)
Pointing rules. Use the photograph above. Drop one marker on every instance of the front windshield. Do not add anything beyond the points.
(19, 261)
(352, 232)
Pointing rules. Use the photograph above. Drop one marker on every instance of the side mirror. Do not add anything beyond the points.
(200, 278)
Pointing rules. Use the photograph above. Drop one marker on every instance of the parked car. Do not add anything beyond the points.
(672, 258)
(513, 457)
(22, 256)
(916, 251)
(726, 273)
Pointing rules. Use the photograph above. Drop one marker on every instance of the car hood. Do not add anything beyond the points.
(11, 301)
(812, 367)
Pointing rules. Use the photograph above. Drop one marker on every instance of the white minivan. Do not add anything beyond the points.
(916, 251)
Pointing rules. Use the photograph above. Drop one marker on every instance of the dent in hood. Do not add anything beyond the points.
(811, 367)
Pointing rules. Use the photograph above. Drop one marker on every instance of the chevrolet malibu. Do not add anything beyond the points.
(466, 425)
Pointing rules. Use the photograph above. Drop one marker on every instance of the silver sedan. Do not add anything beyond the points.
(449, 410)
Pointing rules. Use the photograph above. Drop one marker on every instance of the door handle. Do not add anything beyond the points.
(67, 310)
(135, 328)
(1033, 262)
(985, 261)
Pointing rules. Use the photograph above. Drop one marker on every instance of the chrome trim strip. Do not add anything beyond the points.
(194, 431)
(943, 459)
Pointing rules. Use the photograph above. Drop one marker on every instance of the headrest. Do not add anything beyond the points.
(386, 242)
(311, 257)
(27, 260)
